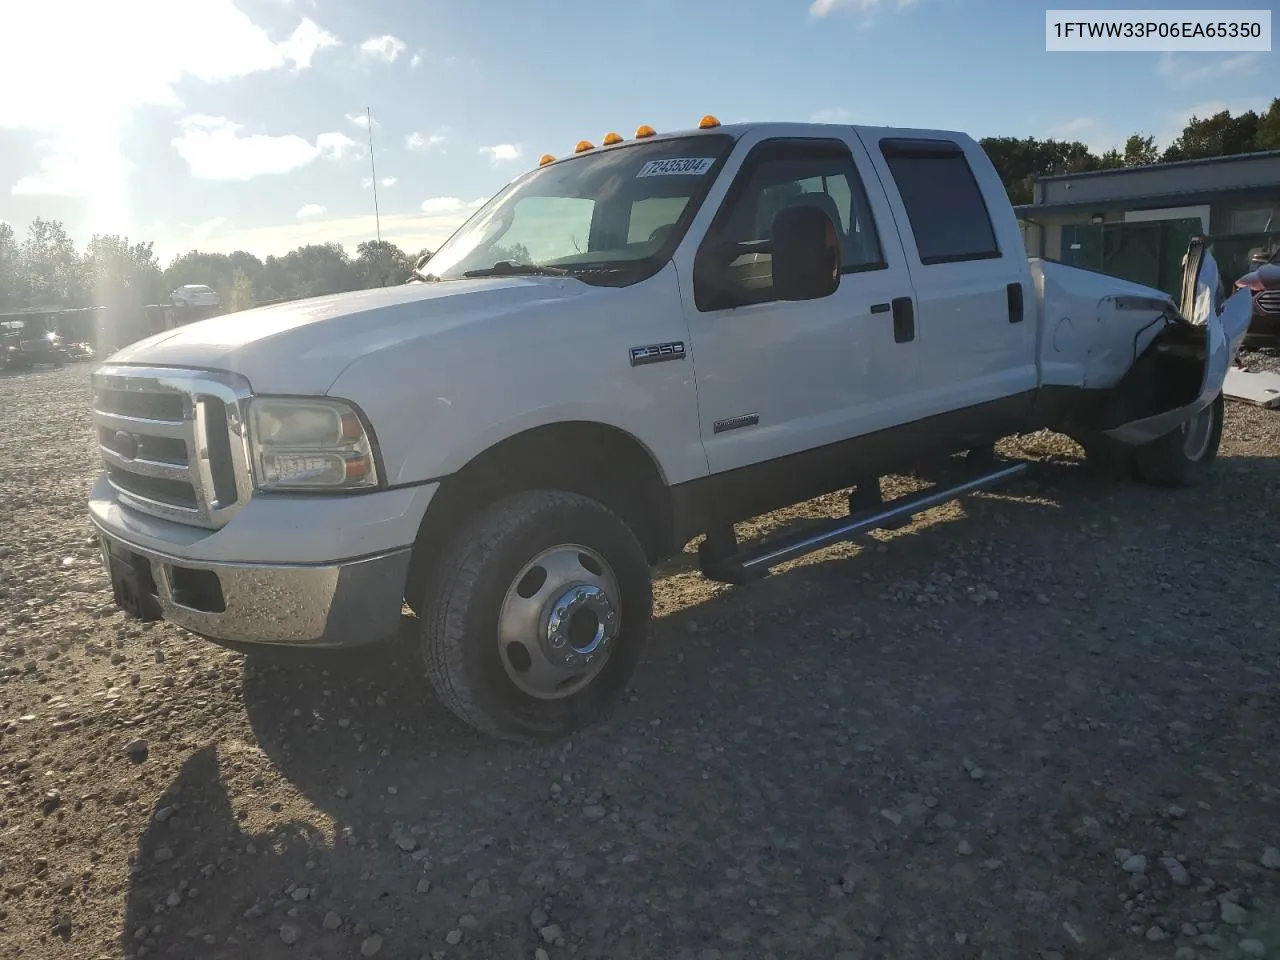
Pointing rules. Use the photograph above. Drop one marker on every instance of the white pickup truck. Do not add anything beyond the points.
(625, 349)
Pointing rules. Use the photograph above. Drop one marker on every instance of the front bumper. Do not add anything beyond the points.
(335, 604)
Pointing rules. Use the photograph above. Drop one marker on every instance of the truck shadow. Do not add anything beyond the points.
(387, 790)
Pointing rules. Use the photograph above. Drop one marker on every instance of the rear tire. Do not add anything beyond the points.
(1110, 457)
(535, 617)
(1183, 457)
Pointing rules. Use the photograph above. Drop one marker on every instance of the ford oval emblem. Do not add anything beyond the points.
(126, 445)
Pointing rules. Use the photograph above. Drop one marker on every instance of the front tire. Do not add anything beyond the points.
(1183, 457)
(536, 615)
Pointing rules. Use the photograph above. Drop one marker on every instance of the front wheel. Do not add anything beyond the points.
(534, 619)
(1183, 457)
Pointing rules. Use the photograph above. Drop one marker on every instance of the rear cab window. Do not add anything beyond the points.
(944, 203)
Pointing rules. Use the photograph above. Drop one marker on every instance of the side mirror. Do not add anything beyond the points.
(806, 254)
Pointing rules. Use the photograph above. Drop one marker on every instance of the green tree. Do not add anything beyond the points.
(1110, 160)
(309, 271)
(1268, 135)
(1020, 161)
(1220, 135)
(13, 293)
(50, 267)
(123, 276)
(242, 296)
(247, 264)
(380, 263)
(212, 269)
(1140, 151)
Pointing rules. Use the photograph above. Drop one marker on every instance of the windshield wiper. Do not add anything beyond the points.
(514, 268)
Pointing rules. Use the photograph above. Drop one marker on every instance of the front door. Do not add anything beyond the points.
(782, 384)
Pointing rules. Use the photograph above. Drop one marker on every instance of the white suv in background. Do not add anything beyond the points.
(194, 295)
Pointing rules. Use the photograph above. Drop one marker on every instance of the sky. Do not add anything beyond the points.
(240, 124)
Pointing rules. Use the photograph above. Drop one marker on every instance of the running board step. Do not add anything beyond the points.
(754, 561)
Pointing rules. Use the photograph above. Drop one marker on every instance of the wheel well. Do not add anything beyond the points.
(597, 461)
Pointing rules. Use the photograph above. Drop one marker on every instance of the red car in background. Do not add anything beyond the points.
(1264, 281)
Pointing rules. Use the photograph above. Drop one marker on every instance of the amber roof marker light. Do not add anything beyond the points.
(546, 158)
(611, 138)
(583, 146)
(708, 123)
(644, 130)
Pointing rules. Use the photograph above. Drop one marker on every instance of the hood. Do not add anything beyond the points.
(302, 346)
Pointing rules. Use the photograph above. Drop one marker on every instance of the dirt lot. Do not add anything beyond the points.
(1040, 723)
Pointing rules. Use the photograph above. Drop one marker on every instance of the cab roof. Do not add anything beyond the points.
(779, 128)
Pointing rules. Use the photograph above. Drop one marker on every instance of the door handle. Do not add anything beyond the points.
(904, 320)
(1014, 291)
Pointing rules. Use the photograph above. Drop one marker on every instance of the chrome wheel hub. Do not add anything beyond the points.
(558, 622)
(580, 626)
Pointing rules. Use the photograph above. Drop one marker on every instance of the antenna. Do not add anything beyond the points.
(377, 218)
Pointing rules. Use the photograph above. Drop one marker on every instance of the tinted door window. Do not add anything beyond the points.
(944, 204)
(777, 175)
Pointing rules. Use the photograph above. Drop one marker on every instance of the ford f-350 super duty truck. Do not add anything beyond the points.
(625, 349)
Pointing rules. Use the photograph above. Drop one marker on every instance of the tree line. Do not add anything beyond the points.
(45, 270)
(1221, 135)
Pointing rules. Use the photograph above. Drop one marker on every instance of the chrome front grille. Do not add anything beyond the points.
(172, 441)
(1268, 301)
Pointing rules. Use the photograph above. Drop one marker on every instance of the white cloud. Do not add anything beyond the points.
(820, 8)
(367, 182)
(832, 115)
(336, 146)
(415, 61)
(215, 148)
(305, 42)
(64, 171)
(361, 120)
(502, 153)
(423, 143)
(1179, 74)
(389, 181)
(123, 61)
(311, 210)
(438, 205)
(385, 48)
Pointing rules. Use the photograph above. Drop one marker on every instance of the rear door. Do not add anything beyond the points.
(777, 378)
(974, 299)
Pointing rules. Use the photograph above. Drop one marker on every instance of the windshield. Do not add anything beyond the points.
(613, 215)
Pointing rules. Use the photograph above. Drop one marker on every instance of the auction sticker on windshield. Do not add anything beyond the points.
(676, 166)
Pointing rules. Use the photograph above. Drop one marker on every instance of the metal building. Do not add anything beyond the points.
(1135, 222)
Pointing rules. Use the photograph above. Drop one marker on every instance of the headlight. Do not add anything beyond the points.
(309, 444)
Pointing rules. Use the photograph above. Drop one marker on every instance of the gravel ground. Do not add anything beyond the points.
(1039, 723)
